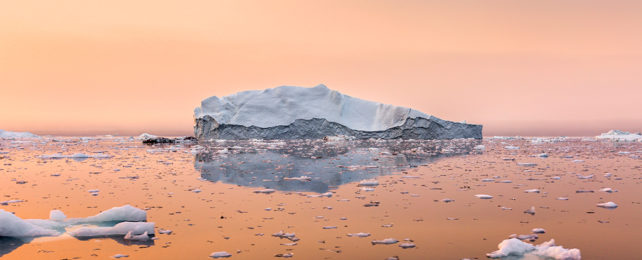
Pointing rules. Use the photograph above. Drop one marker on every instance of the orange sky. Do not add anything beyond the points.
(546, 67)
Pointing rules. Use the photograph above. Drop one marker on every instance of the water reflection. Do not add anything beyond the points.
(318, 165)
(8, 244)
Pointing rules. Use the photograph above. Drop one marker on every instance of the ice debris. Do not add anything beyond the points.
(515, 247)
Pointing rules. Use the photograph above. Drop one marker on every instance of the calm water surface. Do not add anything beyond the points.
(206, 195)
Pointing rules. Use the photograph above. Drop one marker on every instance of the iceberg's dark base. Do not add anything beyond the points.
(414, 128)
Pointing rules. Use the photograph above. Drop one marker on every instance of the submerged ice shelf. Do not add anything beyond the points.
(289, 112)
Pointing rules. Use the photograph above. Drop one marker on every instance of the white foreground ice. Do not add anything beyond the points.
(516, 247)
(283, 105)
(130, 218)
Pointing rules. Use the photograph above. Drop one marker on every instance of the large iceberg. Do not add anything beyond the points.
(617, 135)
(289, 112)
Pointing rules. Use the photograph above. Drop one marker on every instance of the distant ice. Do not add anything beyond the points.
(517, 248)
(386, 241)
(608, 205)
(76, 156)
(220, 254)
(484, 196)
(16, 135)
(617, 135)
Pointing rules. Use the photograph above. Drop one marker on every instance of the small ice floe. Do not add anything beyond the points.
(327, 195)
(290, 236)
(286, 255)
(527, 164)
(7, 202)
(530, 211)
(120, 229)
(289, 244)
(506, 208)
(556, 178)
(76, 156)
(300, 178)
(479, 147)
(562, 198)
(582, 177)
(196, 190)
(13, 226)
(609, 190)
(484, 196)
(265, 191)
(538, 231)
(607, 205)
(387, 225)
(447, 200)
(543, 155)
(372, 204)
(330, 227)
(369, 183)
(487, 180)
(510, 147)
(515, 247)
(578, 161)
(407, 245)
(608, 175)
(366, 189)
(221, 254)
(131, 237)
(532, 191)
(119, 256)
(386, 241)
(584, 191)
(504, 181)
(94, 192)
(164, 231)
(529, 237)
(410, 177)
(360, 234)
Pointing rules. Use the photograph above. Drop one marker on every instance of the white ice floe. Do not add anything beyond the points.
(7, 202)
(609, 190)
(16, 135)
(300, 178)
(283, 105)
(221, 254)
(115, 214)
(360, 234)
(608, 205)
(369, 183)
(119, 256)
(617, 135)
(484, 196)
(265, 191)
(538, 231)
(120, 229)
(13, 226)
(527, 164)
(407, 245)
(531, 210)
(386, 241)
(532, 191)
(145, 136)
(76, 156)
(510, 147)
(518, 248)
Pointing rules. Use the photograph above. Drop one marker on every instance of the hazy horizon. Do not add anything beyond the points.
(544, 68)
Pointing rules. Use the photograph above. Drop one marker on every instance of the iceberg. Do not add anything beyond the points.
(16, 135)
(289, 112)
(13, 226)
(617, 135)
(517, 248)
(130, 229)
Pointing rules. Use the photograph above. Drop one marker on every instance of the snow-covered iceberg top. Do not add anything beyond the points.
(283, 105)
(618, 135)
(13, 135)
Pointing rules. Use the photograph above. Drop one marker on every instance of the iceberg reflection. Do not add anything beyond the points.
(318, 165)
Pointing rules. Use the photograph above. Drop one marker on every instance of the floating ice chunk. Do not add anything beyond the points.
(120, 229)
(479, 147)
(504, 181)
(510, 147)
(608, 205)
(386, 241)
(446, 200)
(556, 178)
(291, 236)
(286, 255)
(609, 190)
(407, 245)
(119, 256)
(526, 164)
(530, 211)
(562, 198)
(515, 247)
(164, 231)
(487, 180)
(532, 191)
(300, 178)
(265, 191)
(142, 237)
(76, 156)
(538, 231)
(617, 135)
(360, 234)
(529, 237)
(543, 155)
(115, 214)
(330, 227)
(484, 196)
(369, 183)
(582, 177)
(221, 254)
(13, 226)
(7, 202)
(608, 175)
